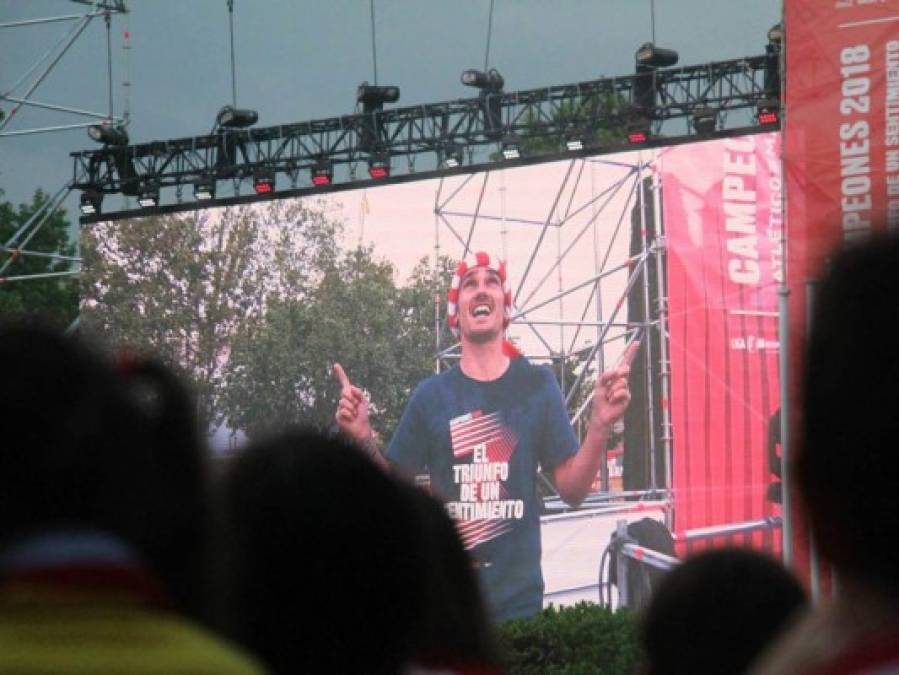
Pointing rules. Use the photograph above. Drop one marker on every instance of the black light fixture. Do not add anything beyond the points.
(648, 58)
(768, 115)
(230, 117)
(107, 134)
(573, 144)
(322, 173)
(638, 133)
(372, 97)
(511, 147)
(705, 119)
(148, 195)
(651, 56)
(263, 181)
(453, 155)
(91, 200)
(490, 81)
(379, 166)
(204, 188)
(490, 84)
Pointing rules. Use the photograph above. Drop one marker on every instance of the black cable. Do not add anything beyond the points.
(374, 49)
(489, 31)
(108, 20)
(233, 69)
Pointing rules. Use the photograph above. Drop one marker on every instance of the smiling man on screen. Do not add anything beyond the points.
(484, 427)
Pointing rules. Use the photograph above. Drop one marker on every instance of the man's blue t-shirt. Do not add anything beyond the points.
(482, 443)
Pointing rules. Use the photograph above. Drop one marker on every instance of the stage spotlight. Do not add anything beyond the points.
(263, 181)
(490, 85)
(705, 120)
(453, 155)
(511, 148)
(379, 166)
(149, 194)
(768, 115)
(373, 97)
(655, 57)
(776, 34)
(90, 202)
(108, 135)
(204, 188)
(637, 136)
(772, 63)
(322, 173)
(230, 117)
(490, 81)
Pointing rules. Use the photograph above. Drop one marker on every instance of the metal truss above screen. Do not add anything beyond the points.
(543, 121)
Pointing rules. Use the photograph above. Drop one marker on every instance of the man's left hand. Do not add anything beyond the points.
(611, 394)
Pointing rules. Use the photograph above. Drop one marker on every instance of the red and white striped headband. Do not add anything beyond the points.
(480, 259)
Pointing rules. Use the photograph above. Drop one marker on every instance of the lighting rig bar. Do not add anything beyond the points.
(562, 113)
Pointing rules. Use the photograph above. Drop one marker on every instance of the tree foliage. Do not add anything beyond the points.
(53, 299)
(255, 305)
(183, 287)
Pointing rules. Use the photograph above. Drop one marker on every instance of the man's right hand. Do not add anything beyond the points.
(352, 410)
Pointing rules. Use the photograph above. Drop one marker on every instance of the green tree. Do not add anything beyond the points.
(54, 299)
(183, 286)
(383, 335)
(597, 120)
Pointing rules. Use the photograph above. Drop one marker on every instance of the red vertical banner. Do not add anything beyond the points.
(723, 227)
(841, 140)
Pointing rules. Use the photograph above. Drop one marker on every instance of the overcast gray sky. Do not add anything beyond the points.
(301, 60)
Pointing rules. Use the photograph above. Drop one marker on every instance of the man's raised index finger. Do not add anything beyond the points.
(344, 380)
(629, 354)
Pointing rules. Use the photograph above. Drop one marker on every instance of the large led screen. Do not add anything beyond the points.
(679, 246)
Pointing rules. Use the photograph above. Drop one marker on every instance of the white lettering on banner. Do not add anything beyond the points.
(739, 204)
(892, 96)
(891, 133)
(855, 146)
(774, 232)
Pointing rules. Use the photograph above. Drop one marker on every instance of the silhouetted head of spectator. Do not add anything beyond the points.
(455, 631)
(716, 612)
(325, 558)
(90, 446)
(848, 463)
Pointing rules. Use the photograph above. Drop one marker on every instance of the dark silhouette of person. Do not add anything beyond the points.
(847, 466)
(324, 555)
(716, 612)
(102, 515)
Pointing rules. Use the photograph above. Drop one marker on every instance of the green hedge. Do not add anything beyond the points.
(585, 638)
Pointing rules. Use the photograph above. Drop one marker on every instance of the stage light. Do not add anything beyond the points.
(655, 57)
(204, 188)
(263, 181)
(705, 119)
(490, 85)
(379, 166)
(490, 81)
(453, 155)
(149, 194)
(776, 34)
(230, 117)
(90, 202)
(772, 63)
(768, 115)
(511, 148)
(322, 173)
(373, 97)
(574, 144)
(108, 135)
(637, 136)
